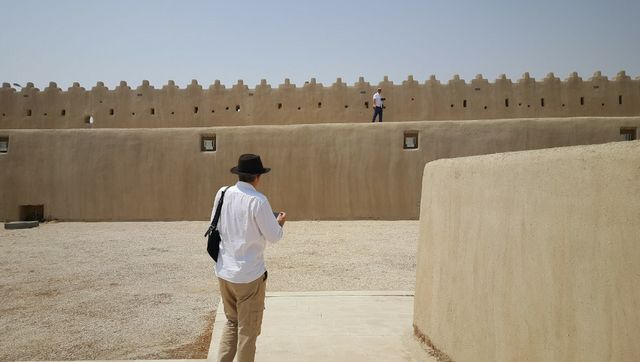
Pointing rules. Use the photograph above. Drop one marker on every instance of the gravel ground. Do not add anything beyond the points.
(76, 291)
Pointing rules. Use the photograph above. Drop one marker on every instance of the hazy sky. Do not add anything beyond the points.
(89, 41)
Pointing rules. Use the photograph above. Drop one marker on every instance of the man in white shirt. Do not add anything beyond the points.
(246, 224)
(377, 105)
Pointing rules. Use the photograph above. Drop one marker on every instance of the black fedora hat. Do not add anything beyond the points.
(249, 164)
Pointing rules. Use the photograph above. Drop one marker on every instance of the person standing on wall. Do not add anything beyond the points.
(377, 105)
(246, 224)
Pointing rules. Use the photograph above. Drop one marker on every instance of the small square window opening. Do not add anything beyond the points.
(4, 144)
(410, 140)
(208, 143)
(628, 133)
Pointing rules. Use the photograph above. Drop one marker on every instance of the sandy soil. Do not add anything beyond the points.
(75, 291)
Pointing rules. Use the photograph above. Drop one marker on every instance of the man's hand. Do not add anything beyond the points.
(282, 217)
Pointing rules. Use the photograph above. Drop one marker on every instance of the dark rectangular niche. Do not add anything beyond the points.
(4, 144)
(410, 140)
(31, 212)
(208, 143)
(628, 133)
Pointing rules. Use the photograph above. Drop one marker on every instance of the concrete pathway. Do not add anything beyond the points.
(334, 326)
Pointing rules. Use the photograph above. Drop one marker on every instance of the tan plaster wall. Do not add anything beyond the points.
(340, 103)
(330, 171)
(532, 256)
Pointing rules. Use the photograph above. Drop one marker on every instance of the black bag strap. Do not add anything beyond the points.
(216, 217)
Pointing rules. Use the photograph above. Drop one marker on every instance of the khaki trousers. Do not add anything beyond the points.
(243, 307)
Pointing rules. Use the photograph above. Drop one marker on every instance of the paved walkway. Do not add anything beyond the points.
(334, 326)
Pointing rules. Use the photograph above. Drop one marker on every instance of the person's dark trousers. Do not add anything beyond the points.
(377, 111)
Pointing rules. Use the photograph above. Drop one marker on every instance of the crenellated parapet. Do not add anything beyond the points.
(145, 106)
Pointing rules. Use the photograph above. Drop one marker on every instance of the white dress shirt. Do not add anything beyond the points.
(246, 224)
(377, 100)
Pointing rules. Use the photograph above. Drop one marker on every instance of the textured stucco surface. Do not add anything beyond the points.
(146, 106)
(329, 171)
(532, 255)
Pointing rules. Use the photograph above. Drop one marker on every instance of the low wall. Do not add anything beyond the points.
(328, 171)
(532, 256)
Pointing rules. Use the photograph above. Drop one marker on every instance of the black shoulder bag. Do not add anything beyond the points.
(213, 243)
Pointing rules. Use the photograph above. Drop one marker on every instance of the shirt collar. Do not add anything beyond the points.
(245, 185)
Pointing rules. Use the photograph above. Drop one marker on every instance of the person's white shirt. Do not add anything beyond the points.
(377, 100)
(246, 225)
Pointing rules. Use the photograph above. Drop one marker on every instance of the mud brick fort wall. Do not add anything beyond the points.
(160, 154)
(194, 106)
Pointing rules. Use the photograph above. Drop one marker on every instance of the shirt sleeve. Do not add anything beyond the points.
(267, 223)
(215, 204)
